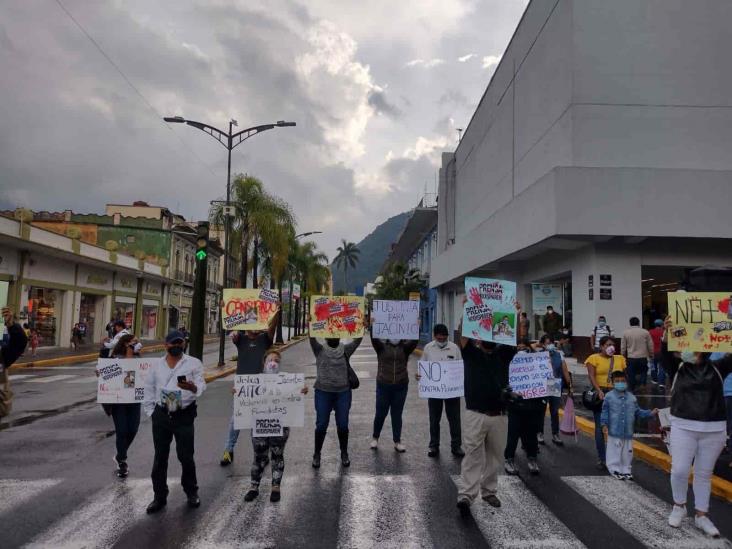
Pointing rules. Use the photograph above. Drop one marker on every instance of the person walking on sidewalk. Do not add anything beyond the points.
(332, 392)
(658, 375)
(600, 367)
(392, 384)
(698, 427)
(485, 425)
(560, 372)
(437, 350)
(251, 345)
(173, 384)
(637, 347)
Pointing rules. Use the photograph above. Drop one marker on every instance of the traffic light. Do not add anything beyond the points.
(202, 241)
(198, 307)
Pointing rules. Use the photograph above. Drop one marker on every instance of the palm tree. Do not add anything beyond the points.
(307, 265)
(348, 256)
(397, 282)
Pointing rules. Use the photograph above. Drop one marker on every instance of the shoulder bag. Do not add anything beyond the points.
(590, 397)
(353, 381)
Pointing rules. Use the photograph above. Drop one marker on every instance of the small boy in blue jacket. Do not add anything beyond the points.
(619, 412)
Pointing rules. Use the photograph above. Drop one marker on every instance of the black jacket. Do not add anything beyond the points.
(697, 390)
(16, 345)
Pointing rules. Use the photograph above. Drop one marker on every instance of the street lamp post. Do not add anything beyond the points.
(230, 141)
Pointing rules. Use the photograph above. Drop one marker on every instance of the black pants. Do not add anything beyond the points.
(126, 422)
(452, 411)
(165, 427)
(637, 372)
(523, 424)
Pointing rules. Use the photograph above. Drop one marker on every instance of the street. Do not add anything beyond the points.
(59, 490)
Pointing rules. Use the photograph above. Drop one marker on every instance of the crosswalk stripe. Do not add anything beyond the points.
(20, 377)
(83, 380)
(640, 513)
(381, 511)
(16, 492)
(507, 526)
(50, 379)
(101, 521)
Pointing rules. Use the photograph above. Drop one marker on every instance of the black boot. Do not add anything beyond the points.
(343, 441)
(319, 439)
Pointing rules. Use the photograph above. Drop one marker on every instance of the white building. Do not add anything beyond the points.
(599, 157)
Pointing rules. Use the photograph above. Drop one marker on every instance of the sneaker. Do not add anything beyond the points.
(510, 467)
(533, 466)
(345, 460)
(316, 461)
(251, 495)
(227, 458)
(464, 505)
(617, 475)
(194, 502)
(492, 500)
(122, 469)
(399, 447)
(556, 440)
(628, 477)
(540, 438)
(458, 452)
(706, 526)
(374, 444)
(678, 514)
(433, 452)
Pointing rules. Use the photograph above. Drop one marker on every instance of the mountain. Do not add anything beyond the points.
(374, 250)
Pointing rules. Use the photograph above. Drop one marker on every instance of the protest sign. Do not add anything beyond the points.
(122, 380)
(441, 379)
(268, 402)
(336, 316)
(396, 319)
(249, 309)
(702, 321)
(531, 376)
(490, 311)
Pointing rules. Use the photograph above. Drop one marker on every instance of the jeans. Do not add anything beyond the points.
(126, 422)
(390, 397)
(599, 437)
(637, 372)
(554, 404)
(325, 402)
(232, 437)
(523, 424)
(452, 411)
(658, 374)
(165, 427)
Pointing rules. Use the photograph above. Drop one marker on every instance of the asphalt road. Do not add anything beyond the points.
(57, 489)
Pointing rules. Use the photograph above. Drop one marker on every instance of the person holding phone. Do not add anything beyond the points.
(173, 384)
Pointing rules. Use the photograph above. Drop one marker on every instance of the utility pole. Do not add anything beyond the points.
(198, 308)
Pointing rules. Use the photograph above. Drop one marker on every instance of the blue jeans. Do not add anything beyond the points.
(325, 402)
(390, 397)
(658, 374)
(232, 437)
(599, 437)
(554, 403)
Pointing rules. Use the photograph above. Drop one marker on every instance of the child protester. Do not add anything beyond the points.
(619, 412)
(273, 445)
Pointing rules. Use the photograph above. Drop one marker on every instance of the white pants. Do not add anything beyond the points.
(484, 438)
(702, 449)
(619, 455)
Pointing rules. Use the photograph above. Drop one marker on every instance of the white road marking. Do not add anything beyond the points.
(640, 513)
(381, 511)
(101, 520)
(50, 379)
(506, 527)
(21, 377)
(16, 492)
(83, 380)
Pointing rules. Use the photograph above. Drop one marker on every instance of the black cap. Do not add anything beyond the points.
(175, 335)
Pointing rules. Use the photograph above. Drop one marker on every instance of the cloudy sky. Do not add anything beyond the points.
(377, 89)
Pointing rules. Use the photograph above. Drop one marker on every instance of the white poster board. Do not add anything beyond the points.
(396, 319)
(547, 295)
(122, 380)
(266, 403)
(531, 376)
(441, 379)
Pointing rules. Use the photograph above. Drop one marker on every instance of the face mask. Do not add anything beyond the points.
(271, 367)
(621, 386)
(610, 351)
(602, 323)
(175, 351)
(394, 341)
(688, 356)
(441, 344)
(551, 347)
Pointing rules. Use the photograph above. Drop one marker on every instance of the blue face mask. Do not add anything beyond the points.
(688, 356)
(621, 386)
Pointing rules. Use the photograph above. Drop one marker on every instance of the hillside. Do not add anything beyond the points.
(374, 249)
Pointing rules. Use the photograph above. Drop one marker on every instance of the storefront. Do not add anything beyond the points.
(148, 330)
(44, 313)
(90, 310)
(124, 309)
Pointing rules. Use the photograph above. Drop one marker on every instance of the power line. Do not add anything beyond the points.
(131, 85)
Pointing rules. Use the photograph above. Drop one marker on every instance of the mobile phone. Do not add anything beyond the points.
(181, 379)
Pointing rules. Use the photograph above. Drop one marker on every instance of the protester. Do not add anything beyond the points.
(251, 345)
(525, 416)
(485, 426)
(601, 329)
(637, 346)
(173, 384)
(12, 348)
(600, 367)
(620, 410)
(269, 445)
(565, 341)
(552, 322)
(332, 392)
(524, 326)
(658, 375)
(437, 350)
(561, 372)
(698, 425)
(119, 328)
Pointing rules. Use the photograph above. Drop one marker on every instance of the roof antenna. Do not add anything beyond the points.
(460, 133)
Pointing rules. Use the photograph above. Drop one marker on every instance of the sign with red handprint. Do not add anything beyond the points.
(489, 313)
(336, 316)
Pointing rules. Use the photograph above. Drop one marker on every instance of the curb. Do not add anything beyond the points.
(720, 487)
(228, 370)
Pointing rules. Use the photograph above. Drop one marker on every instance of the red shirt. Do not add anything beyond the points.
(656, 335)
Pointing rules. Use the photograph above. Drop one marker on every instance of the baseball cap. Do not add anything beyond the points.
(175, 335)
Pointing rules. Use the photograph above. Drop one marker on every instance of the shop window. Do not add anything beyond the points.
(44, 305)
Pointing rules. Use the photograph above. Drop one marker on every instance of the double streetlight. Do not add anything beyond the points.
(230, 141)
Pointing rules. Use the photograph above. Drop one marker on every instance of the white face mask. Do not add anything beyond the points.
(688, 356)
(271, 367)
(610, 350)
(394, 341)
(441, 344)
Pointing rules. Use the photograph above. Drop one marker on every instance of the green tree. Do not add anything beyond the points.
(347, 256)
(397, 281)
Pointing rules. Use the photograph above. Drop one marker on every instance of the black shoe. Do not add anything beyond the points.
(492, 500)
(251, 495)
(433, 452)
(345, 460)
(316, 461)
(156, 505)
(458, 452)
(122, 469)
(601, 466)
(464, 506)
(194, 502)
(274, 497)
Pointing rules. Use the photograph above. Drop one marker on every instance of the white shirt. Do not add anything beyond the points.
(161, 376)
(433, 352)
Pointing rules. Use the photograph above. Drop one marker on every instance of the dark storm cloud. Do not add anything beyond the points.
(377, 99)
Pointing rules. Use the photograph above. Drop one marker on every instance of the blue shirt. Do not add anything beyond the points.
(619, 412)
